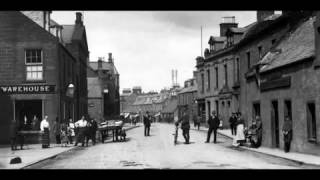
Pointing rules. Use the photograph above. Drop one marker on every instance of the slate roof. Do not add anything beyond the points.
(67, 33)
(217, 39)
(297, 45)
(238, 30)
(171, 107)
(105, 66)
(188, 89)
(149, 99)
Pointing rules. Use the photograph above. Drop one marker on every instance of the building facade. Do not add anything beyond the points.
(104, 77)
(187, 100)
(38, 72)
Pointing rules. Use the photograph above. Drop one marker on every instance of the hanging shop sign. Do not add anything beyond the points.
(27, 89)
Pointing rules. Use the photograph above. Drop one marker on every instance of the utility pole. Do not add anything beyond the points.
(201, 42)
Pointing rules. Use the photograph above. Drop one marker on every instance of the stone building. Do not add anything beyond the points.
(105, 77)
(284, 81)
(39, 74)
(218, 73)
(187, 99)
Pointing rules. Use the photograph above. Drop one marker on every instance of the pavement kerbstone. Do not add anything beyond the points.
(291, 156)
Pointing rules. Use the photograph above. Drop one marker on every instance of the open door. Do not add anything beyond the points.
(275, 124)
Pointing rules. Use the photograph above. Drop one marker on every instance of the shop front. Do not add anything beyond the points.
(30, 103)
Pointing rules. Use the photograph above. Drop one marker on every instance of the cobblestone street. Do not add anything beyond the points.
(158, 151)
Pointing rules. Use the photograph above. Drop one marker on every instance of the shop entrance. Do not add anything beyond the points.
(28, 114)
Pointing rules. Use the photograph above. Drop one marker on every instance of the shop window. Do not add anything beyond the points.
(34, 64)
(311, 122)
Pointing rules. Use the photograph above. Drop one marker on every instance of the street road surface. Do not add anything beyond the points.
(158, 151)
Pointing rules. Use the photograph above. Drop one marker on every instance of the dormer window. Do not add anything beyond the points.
(229, 41)
(212, 47)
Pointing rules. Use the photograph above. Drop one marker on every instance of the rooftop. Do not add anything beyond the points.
(297, 45)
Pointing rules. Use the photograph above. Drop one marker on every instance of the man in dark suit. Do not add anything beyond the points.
(185, 126)
(213, 126)
(232, 121)
(147, 124)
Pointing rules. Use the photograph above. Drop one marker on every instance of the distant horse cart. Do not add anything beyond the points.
(115, 126)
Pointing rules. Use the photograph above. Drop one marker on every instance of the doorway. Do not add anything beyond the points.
(28, 114)
(275, 124)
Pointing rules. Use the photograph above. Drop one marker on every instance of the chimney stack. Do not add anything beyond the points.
(227, 22)
(261, 15)
(100, 62)
(79, 18)
(110, 60)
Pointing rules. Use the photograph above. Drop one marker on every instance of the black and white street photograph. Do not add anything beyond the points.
(165, 90)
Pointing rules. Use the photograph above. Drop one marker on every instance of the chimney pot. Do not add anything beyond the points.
(79, 18)
(110, 57)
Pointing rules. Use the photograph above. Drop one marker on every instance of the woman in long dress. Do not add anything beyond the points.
(239, 138)
(45, 127)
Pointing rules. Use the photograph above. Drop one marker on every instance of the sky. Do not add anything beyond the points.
(147, 45)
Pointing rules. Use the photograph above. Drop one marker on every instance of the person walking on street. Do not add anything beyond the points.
(214, 123)
(57, 130)
(232, 121)
(147, 124)
(13, 135)
(71, 132)
(185, 126)
(45, 128)
(287, 133)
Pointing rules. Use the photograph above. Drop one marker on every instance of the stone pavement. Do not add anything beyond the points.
(293, 156)
(33, 153)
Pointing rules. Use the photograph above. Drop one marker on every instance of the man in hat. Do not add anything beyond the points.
(232, 121)
(147, 124)
(214, 123)
(287, 133)
(185, 126)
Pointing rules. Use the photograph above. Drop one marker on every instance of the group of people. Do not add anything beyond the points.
(65, 133)
(238, 129)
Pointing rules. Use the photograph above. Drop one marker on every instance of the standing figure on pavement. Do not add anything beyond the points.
(259, 131)
(45, 128)
(232, 121)
(81, 125)
(287, 133)
(71, 133)
(64, 134)
(13, 135)
(214, 123)
(94, 128)
(57, 130)
(240, 138)
(147, 124)
(185, 126)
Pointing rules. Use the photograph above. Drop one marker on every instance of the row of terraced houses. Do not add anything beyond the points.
(268, 68)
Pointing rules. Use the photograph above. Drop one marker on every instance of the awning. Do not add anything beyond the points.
(158, 114)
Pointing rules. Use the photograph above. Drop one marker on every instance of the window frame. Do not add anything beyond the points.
(33, 64)
(310, 126)
(248, 59)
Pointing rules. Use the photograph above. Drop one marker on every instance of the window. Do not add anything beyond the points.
(260, 52)
(34, 66)
(211, 47)
(248, 60)
(311, 122)
(217, 106)
(273, 41)
(217, 78)
(238, 69)
(202, 83)
(208, 74)
(225, 75)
